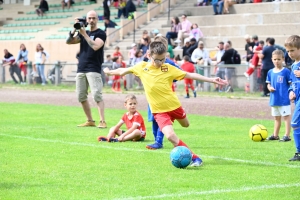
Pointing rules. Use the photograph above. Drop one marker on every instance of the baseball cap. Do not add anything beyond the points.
(155, 31)
(187, 40)
(133, 45)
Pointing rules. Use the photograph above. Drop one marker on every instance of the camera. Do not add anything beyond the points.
(82, 23)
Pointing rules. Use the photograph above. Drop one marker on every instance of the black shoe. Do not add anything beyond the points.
(296, 157)
(285, 139)
(272, 137)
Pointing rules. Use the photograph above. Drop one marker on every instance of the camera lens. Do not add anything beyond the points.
(77, 25)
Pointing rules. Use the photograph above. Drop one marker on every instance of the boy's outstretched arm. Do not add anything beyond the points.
(199, 77)
(119, 71)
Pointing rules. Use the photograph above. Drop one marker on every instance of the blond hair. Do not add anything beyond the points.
(130, 97)
(292, 41)
(278, 52)
(157, 47)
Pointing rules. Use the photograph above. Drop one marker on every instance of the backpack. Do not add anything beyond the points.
(236, 57)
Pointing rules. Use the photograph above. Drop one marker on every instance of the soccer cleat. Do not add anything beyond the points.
(113, 140)
(272, 137)
(196, 162)
(154, 146)
(102, 124)
(102, 139)
(285, 139)
(87, 124)
(296, 157)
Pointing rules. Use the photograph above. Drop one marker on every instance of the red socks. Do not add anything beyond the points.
(250, 71)
(181, 143)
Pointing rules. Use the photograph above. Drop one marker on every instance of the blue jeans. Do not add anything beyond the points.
(219, 4)
(171, 35)
(40, 68)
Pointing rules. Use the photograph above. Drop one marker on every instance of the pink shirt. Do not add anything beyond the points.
(132, 53)
(186, 26)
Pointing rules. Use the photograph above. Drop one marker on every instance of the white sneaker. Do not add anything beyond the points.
(177, 41)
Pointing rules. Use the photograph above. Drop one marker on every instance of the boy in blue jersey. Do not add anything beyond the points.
(278, 83)
(292, 45)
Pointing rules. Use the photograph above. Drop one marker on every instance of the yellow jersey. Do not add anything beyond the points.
(157, 83)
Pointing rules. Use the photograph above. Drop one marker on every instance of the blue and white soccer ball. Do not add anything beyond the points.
(181, 157)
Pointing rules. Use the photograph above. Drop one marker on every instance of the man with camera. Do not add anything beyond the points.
(89, 65)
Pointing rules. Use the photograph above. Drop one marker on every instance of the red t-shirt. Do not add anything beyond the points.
(117, 54)
(136, 119)
(188, 67)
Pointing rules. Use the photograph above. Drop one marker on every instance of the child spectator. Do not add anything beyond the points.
(188, 83)
(108, 63)
(22, 59)
(8, 61)
(292, 45)
(131, 52)
(117, 52)
(134, 122)
(195, 33)
(164, 103)
(278, 80)
(255, 59)
(43, 7)
(116, 85)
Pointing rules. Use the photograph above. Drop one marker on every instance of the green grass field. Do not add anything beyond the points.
(43, 155)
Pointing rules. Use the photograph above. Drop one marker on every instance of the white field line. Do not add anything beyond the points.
(115, 147)
(216, 191)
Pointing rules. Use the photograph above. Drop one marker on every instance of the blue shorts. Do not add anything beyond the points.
(296, 116)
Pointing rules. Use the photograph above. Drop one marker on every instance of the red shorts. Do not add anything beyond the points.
(167, 118)
(188, 81)
(116, 77)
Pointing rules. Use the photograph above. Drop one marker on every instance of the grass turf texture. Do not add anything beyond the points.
(43, 155)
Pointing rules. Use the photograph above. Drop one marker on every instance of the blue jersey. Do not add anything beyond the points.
(295, 87)
(150, 116)
(280, 81)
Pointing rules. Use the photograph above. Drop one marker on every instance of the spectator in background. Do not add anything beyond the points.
(43, 7)
(65, 3)
(8, 61)
(139, 57)
(176, 26)
(131, 52)
(227, 4)
(117, 52)
(267, 63)
(219, 71)
(218, 3)
(22, 59)
(195, 33)
(108, 63)
(200, 55)
(106, 10)
(109, 24)
(288, 61)
(129, 8)
(155, 32)
(193, 46)
(40, 59)
(145, 46)
(187, 45)
(121, 9)
(184, 32)
(255, 40)
(255, 59)
(145, 35)
(249, 47)
(227, 59)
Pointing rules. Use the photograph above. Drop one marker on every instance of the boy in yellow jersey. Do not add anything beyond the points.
(157, 78)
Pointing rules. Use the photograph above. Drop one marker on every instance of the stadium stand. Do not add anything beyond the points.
(267, 19)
